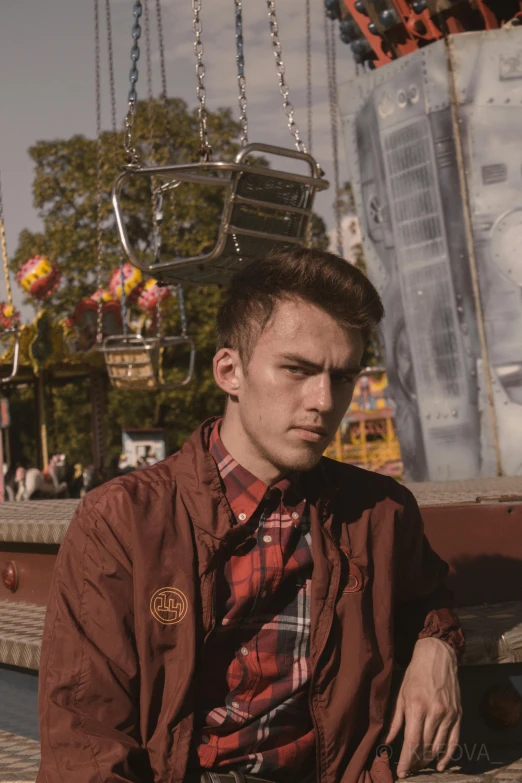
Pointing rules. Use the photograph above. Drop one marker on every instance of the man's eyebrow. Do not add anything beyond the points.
(294, 357)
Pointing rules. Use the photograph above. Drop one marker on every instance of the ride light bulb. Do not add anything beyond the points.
(10, 576)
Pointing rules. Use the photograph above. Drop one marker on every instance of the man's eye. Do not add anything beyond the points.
(295, 370)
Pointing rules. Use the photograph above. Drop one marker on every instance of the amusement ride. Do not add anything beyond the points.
(262, 205)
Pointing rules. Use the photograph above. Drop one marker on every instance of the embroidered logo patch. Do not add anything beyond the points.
(168, 605)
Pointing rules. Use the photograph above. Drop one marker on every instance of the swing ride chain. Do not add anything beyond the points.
(334, 123)
(283, 86)
(131, 153)
(112, 85)
(99, 178)
(156, 198)
(182, 310)
(159, 319)
(309, 74)
(205, 149)
(4, 252)
(241, 80)
(309, 105)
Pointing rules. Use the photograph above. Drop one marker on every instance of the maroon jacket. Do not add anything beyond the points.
(132, 603)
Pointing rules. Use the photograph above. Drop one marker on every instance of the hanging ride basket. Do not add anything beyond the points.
(263, 209)
(135, 362)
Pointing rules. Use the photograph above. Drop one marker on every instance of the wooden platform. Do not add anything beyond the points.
(36, 521)
(19, 758)
(21, 631)
(479, 490)
(45, 521)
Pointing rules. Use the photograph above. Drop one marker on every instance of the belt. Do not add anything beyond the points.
(234, 776)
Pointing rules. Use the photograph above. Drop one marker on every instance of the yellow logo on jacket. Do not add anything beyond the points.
(168, 605)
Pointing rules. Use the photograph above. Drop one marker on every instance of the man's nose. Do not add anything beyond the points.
(320, 397)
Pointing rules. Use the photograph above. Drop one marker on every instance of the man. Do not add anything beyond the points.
(236, 609)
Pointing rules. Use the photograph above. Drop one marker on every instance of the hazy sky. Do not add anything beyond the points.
(47, 79)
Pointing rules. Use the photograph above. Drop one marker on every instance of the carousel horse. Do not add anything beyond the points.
(36, 484)
(10, 484)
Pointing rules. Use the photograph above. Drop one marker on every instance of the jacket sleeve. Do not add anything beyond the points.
(89, 672)
(423, 604)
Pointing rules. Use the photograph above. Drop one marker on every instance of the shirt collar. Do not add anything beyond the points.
(245, 492)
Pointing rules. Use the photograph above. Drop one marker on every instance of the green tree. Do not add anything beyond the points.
(65, 195)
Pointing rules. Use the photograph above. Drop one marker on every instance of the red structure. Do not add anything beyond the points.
(379, 31)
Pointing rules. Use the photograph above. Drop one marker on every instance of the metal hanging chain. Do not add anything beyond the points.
(99, 175)
(123, 299)
(146, 17)
(331, 69)
(132, 156)
(241, 79)
(159, 319)
(112, 85)
(182, 310)
(283, 86)
(338, 214)
(309, 103)
(156, 198)
(163, 69)
(205, 149)
(4, 251)
(162, 50)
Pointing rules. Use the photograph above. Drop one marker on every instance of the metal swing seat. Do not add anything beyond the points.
(135, 362)
(16, 356)
(263, 209)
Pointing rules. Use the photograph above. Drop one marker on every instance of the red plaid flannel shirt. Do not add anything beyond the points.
(252, 708)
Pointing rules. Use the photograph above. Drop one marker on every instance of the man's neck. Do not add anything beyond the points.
(238, 445)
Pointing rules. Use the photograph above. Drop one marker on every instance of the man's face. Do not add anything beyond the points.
(298, 385)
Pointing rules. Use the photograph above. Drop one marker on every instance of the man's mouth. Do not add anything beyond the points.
(311, 433)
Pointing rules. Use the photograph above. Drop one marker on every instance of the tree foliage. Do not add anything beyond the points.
(65, 196)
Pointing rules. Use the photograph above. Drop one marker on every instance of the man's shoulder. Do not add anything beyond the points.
(373, 487)
(136, 490)
(153, 477)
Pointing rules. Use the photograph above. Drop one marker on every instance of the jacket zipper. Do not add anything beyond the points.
(315, 720)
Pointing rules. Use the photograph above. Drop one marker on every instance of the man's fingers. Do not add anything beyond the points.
(440, 742)
(453, 741)
(432, 728)
(396, 723)
(412, 746)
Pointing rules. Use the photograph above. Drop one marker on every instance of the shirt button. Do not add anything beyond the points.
(244, 651)
(205, 739)
(267, 539)
(264, 593)
(241, 517)
(295, 515)
(235, 705)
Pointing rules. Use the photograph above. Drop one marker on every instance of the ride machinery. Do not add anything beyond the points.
(432, 126)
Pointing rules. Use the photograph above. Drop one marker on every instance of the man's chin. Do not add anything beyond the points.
(303, 460)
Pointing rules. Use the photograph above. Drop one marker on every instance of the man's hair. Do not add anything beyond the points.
(323, 279)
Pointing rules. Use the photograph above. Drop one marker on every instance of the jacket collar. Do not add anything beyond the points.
(201, 489)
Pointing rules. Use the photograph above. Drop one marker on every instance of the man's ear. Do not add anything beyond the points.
(228, 372)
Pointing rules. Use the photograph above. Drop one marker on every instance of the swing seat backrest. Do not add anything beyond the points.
(16, 356)
(135, 362)
(263, 209)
